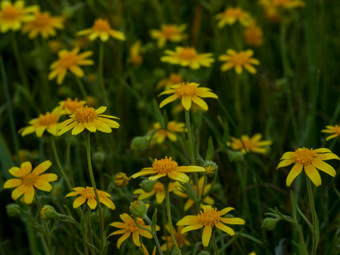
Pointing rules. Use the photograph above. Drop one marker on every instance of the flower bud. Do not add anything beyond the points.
(270, 223)
(210, 167)
(121, 179)
(138, 208)
(48, 212)
(139, 143)
(235, 155)
(13, 210)
(147, 185)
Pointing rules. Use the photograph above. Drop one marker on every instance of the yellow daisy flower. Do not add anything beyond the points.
(43, 24)
(173, 79)
(128, 227)
(249, 144)
(208, 218)
(333, 130)
(69, 106)
(26, 180)
(158, 190)
(45, 122)
(188, 92)
(135, 54)
(102, 29)
(232, 15)
(170, 132)
(188, 56)
(172, 33)
(309, 160)
(181, 239)
(89, 118)
(13, 15)
(87, 194)
(168, 167)
(253, 35)
(69, 61)
(239, 60)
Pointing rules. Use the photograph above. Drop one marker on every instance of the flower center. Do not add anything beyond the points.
(209, 216)
(187, 54)
(101, 26)
(186, 89)
(336, 129)
(48, 119)
(304, 156)
(69, 60)
(29, 179)
(234, 12)
(169, 31)
(42, 20)
(72, 105)
(85, 114)
(165, 165)
(240, 59)
(88, 192)
(10, 13)
(131, 225)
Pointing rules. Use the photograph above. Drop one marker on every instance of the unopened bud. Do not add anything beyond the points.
(48, 212)
(13, 210)
(138, 208)
(121, 179)
(139, 143)
(270, 223)
(210, 167)
(147, 185)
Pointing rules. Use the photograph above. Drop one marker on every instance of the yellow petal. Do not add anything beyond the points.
(79, 201)
(29, 195)
(12, 183)
(92, 203)
(323, 166)
(206, 235)
(225, 228)
(294, 172)
(313, 174)
(42, 167)
(285, 162)
(122, 239)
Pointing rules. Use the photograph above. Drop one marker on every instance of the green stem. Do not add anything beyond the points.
(215, 243)
(171, 226)
(190, 138)
(101, 74)
(315, 219)
(60, 166)
(81, 87)
(19, 61)
(154, 235)
(93, 183)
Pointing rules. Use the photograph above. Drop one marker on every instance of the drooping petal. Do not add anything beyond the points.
(323, 166)
(206, 235)
(294, 172)
(313, 174)
(122, 239)
(225, 228)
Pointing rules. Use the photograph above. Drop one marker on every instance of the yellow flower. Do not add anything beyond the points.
(188, 56)
(45, 122)
(158, 190)
(161, 133)
(13, 15)
(171, 80)
(310, 160)
(207, 219)
(246, 144)
(272, 7)
(69, 60)
(170, 33)
(333, 130)
(188, 92)
(89, 118)
(181, 239)
(70, 106)
(239, 60)
(135, 54)
(232, 15)
(253, 35)
(26, 180)
(43, 24)
(168, 167)
(102, 29)
(128, 227)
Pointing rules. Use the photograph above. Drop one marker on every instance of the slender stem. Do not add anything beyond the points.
(81, 87)
(154, 235)
(191, 142)
(93, 183)
(315, 219)
(171, 226)
(60, 166)
(215, 243)
(101, 73)
(19, 61)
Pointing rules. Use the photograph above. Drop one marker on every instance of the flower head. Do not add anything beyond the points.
(172, 33)
(121, 179)
(43, 24)
(69, 61)
(273, 7)
(208, 218)
(45, 122)
(13, 15)
(102, 29)
(128, 227)
(173, 79)
(158, 190)
(249, 144)
(232, 15)
(87, 194)
(253, 35)
(188, 56)
(89, 118)
(181, 239)
(239, 60)
(188, 92)
(168, 167)
(26, 180)
(309, 160)
(70, 106)
(334, 131)
(135, 54)
(170, 132)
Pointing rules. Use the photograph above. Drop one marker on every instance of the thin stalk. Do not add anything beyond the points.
(315, 219)
(81, 87)
(101, 74)
(215, 243)
(19, 61)
(171, 226)
(154, 235)
(190, 138)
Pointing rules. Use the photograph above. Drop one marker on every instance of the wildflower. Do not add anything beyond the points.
(310, 160)
(188, 92)
(170, 132)
(13, 15)
(246, 144)
(70, 106)
(333, 130)
(239, 60)
(102, 29)
(207, 219)
(128, 227)
(26, 180)
(188, 56)
(45, 122)
(43, 24)
(253, 35)
(232, 15)
(121, 179)
(89, 118)
(87, 194)
(273, 7)
(173, 79)
(158, 189)
(135, 54)
(170, 33)
(181, 239)
(168, 167)
(69, 61)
